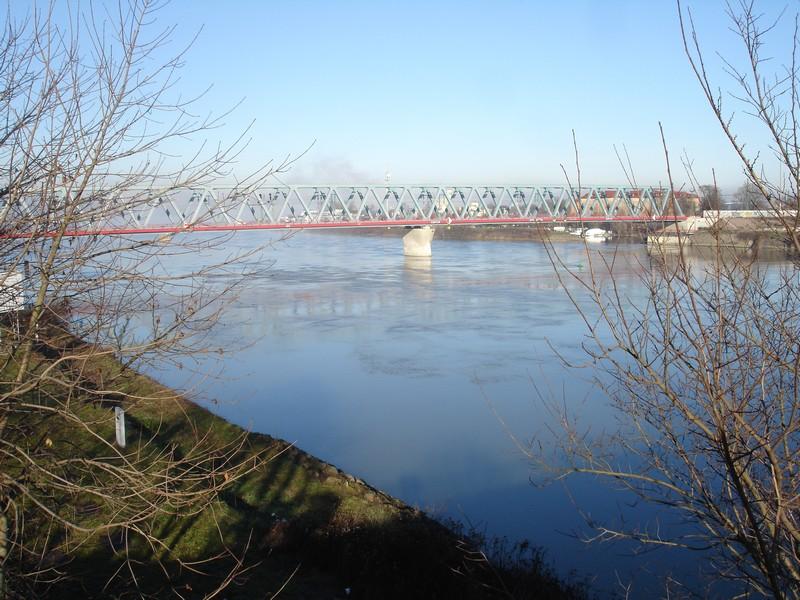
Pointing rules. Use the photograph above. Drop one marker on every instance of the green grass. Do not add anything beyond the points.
(295, 519)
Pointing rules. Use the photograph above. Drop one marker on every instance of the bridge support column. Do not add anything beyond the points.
(417, 242)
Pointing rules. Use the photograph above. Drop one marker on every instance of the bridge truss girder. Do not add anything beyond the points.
(320, 206)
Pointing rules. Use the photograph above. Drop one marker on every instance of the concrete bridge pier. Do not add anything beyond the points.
(417, 242)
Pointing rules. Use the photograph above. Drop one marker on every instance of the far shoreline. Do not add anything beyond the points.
(536, 232)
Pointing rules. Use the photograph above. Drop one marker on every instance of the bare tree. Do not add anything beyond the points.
(91, 112)
(704, 368)
(710, 198)
(748, 197)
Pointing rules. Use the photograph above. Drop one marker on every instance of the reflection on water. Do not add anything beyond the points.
(396, 370)
(418, 269)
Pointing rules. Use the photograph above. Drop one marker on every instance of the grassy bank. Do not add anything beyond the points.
(285, 522)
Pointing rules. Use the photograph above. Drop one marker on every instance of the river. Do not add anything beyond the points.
(423, 377)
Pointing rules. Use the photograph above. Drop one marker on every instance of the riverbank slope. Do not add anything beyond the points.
(302, 526)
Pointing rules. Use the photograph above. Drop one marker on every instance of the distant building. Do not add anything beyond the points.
(688, 202)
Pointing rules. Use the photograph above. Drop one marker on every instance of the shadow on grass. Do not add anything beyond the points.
(301, 526)
(324, 534)
(408, 556)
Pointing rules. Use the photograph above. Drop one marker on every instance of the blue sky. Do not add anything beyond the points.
(460, 91)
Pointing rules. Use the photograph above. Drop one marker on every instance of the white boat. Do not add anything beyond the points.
(597, 235)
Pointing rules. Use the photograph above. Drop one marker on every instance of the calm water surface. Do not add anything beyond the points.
(414, 374)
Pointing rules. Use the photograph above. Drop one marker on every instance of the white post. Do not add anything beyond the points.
(119, 419)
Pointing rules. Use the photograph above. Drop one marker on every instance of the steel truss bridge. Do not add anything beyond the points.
(354, 206)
